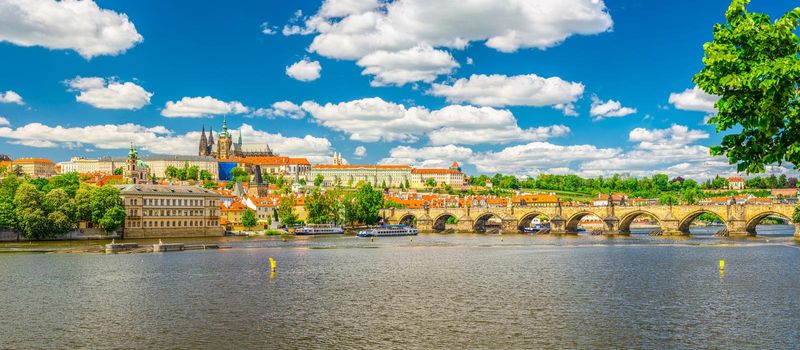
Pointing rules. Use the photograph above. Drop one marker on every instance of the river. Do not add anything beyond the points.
(437, 291)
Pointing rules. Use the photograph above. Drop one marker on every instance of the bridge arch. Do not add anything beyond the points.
(754, 221)
(440, 222)
(686, 222)
(525, 220)
(575, 219)
(627, 220)
(408, 219)
(482, 219)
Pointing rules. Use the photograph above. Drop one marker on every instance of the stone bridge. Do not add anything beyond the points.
(739, 219)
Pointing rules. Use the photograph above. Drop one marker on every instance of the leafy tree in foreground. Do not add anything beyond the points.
(752, 64)
(796, 215)
(112, 218)
(249, 219)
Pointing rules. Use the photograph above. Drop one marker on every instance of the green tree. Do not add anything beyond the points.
(318, 180)
(430, 182)
(368, 202)
(104, 199)
(752, 64)
(118, 171)
(112, 218)
(286, 213)
(211, 185)
(323, 208)
(83, 203)
(408, 185)
(249, 219)
(59, 224)
(171, 172)
(193, 173)
(58, 200)
(796, 215)
(33, 223)
(69, 182)
(205, 175)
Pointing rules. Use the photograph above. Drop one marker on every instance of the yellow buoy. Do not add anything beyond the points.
(411, 239)
(372, 239)
(273, 266)
(722, 264)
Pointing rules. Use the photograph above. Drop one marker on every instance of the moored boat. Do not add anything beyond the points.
(324, 229)
(389, 231)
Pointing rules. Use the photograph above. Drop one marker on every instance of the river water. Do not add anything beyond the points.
(437, 291)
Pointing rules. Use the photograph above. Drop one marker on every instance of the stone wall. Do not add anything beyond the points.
(79, 234)
(173, 232)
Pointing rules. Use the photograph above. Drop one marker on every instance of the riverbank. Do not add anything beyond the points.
(776, 234)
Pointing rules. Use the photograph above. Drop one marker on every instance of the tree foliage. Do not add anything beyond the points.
(752, 64)
(249, 218)
(286, 213)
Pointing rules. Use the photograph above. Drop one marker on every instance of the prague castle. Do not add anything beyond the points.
(225, 148)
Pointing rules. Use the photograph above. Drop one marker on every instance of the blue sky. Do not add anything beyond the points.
(438, 83)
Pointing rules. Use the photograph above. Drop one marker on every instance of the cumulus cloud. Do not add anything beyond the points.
(11, 97)
(283, 109)
(428, 157)
(694, 99)
(267, 29)
(304, 70)
(373, 119)
(406, 66)
(532, 158)
(196, 107)
(76, 25)
(156, 139)
(109, 94)
(360, 151)
(4, 122)
(498, 90)
(353, 29)
(608, 109)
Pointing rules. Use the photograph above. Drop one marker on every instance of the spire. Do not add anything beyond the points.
(132, 152)
(203, 149)
(240, 136)
(224, 132)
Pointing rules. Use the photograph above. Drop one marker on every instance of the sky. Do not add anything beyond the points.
(522, 87)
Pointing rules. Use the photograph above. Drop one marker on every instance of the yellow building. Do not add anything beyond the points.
(34, 167)
(170, 211)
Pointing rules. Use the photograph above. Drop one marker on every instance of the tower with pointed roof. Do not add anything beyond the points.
(203, 149)
(224, 142)
(136, 171)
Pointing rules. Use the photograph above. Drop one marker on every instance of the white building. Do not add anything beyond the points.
(351, 175)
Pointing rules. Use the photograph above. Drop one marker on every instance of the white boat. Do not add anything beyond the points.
(389, 231)
(323, 229)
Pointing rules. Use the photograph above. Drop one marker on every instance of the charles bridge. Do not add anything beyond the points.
(739, 219)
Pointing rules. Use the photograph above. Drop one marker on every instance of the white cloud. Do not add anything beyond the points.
(196, 107)
(373, 119)
(285, 109)
(407, 66)
(672, 137)
(156, 139)
(608, 109)
(267, 29)
(498, 90)
(360, 151)
(470, 61)
(353, 30)
(694, 99)
(109, 94)
(11, 97)
(304, 70)
(4, 122)
(77, 25)
(428, 157)
(532, 158)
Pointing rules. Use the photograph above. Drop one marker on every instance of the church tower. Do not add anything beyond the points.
(203, 150)
(135, 170)
(210, 140)
(224, 143)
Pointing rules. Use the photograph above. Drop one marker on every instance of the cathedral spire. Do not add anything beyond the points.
(224, 132)
(240, 136)
(203, 149)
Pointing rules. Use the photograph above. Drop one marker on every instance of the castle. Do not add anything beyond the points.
(225, 148)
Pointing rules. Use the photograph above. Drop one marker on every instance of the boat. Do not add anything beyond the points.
(536, 228)
(322, 229)
(389, 231)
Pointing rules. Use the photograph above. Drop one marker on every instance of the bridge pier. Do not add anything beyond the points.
(425, 225)
(465, 224)
(797, 231)
(510, 226)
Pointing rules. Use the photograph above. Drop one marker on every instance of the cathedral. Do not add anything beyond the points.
(225, 148)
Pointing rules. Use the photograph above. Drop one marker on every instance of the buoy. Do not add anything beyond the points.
(501, 238)
(722, 264)
(411, 239)
(372, 239)
(273, 266)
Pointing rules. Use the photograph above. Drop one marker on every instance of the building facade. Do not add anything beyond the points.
(34, 167)
(276, 166)
(452, 176)
(155, 211)
(136, 171)
(735, 183)
(351, 175)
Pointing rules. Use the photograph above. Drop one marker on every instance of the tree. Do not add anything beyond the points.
(112, 219)
(59, 224)
(408, 185)
(796, 215)
(210, 185)
(58, 200)
(286, 212)
(205, 175)
(118, 171)
(368, 202)
(323, 208)
(753, 65)
(249, 218)
(193, 173)
(171, 172)
(69, 182)
(32, 222)
(318, 180)
(102, 200)
(430, 182)
(83, 203)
